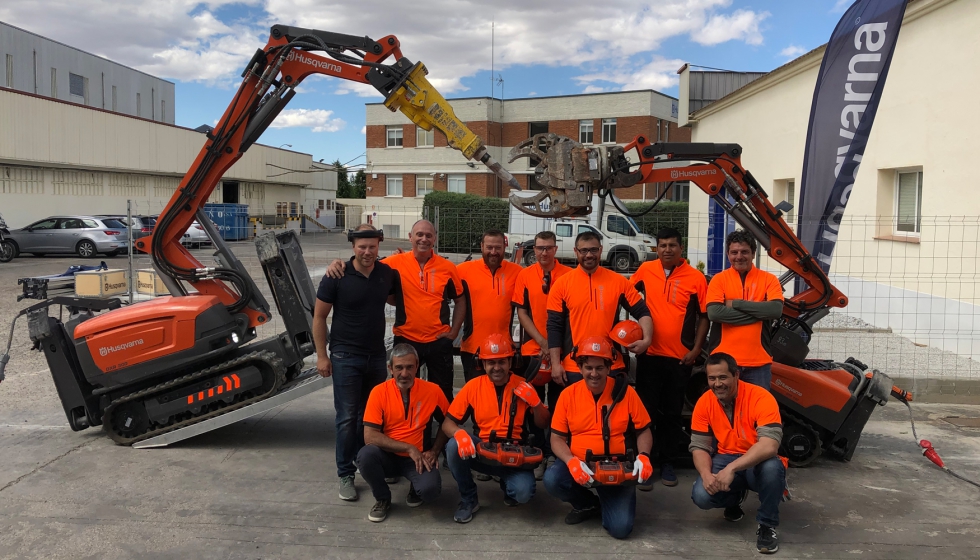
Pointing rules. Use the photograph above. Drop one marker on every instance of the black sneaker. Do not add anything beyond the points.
(577, 516)
(767, 541)
(413, 499)
(734, 513)
(482, 477)
(464, 513)
(380, 511)
(510, 502)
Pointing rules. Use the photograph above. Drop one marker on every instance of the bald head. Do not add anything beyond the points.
(423, 239)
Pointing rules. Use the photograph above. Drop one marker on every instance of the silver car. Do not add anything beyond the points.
(195, 236)
(85, 236)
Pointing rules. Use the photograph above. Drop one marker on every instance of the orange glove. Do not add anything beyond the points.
(642, 468)
(580, 471)
(526, 393)
(465, 444)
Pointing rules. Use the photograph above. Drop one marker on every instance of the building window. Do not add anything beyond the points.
(282, 209)
(76, 87)
(137, 104)
(394, 136)
(608, 131)
(293, 208)
(585, 132)
(457, 184)
(113, 98)
(394, 186)
(424, 138)
(423, 186)
(908, 202)
(537, 128)
(10, 71)
(320, 204)
(54, 83)
(791, 198)
(681, 192)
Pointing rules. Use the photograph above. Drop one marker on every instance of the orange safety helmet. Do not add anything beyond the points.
(543, 375)
(597, 346)
(626, 332)
(496, 346)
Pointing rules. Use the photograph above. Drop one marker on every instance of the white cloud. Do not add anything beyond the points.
(841, 6)
(364, 130)
(792, 51)
(185, 40)
(532, 93)
(660, 73)
(316, 119)
(591, 88)
(741, 25)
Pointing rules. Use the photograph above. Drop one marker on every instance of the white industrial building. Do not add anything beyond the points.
(89, 154)
(908, 245)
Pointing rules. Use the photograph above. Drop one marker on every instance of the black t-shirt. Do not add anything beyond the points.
(358, 308)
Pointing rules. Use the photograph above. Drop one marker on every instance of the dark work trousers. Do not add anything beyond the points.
(541, 437)
(376, 464)
(354, 376)
(437, 356)
(470, 369)
(660, 383)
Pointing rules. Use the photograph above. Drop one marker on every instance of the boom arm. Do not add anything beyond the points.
(570, 172)
(270, 81)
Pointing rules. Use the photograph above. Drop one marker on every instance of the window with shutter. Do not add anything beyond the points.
(908, 202)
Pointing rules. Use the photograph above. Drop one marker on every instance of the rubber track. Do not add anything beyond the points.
(269, 358)
(804, 424)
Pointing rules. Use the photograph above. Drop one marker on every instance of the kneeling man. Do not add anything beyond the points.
(744, 421)
(396, 419)
(498, 403)
(594, 414)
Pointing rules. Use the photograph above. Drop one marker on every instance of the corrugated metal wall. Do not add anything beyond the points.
(708, 87)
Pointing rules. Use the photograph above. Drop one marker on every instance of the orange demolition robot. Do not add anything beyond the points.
(824, 404)
(157, 366)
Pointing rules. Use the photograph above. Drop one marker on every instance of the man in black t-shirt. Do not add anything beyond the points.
(357, 345)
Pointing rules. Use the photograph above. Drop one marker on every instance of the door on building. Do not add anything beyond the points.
(229, 192)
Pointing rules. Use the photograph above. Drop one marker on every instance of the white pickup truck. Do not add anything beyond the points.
(624, 246)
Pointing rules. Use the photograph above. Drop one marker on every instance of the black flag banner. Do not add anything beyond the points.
(845, 100)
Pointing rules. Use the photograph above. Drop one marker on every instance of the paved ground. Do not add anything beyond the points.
(266, 488)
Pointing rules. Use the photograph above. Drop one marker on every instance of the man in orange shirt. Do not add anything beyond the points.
(585, 302)
(498, 402)
(428, 283)
(531, 299)
(675, 292)
(743, 421)
(745, 300)
(396, 420)
(591, 420)
(489, 287)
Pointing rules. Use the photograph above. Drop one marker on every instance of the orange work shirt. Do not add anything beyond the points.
(589, 305)
(489, 407)
(387, 411)
(755, 407)
(676, 301)
(578, 418)
(422, 303)
(529, 295)
(488, 297)
(744, 342)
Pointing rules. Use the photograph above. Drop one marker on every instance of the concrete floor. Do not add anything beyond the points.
(267, 488)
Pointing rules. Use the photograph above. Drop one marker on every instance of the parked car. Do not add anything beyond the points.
(138, 225)
(86, 236)
(149, 222)
(195, 236)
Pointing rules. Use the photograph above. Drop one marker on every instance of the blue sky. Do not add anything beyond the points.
(548, 48)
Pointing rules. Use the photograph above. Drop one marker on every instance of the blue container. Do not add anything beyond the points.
(231, 220)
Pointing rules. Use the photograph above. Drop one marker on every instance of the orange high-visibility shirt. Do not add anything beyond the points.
(755, 407)
(578, 417)
(489, 407)
(675, 303)
(422, 304)
(529, 295)
(488, 297)
(387, 411)
(744, 342)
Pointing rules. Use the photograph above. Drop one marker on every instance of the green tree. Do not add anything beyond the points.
(359, 185)
(343, 181)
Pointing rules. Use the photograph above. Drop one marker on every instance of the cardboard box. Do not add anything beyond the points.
(101, 283)
(149, 282)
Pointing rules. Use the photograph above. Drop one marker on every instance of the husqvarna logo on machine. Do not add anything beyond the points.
(106, 350)
(678, 174)
(322, 64)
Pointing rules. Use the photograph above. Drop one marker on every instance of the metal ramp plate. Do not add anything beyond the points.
(307, 382)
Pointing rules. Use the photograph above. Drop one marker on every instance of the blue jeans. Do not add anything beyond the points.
(517, 484)
(759, 375)
(354, 375)
(618, 503)
(768, 479)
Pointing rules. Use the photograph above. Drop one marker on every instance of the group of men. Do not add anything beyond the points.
(594, 417)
